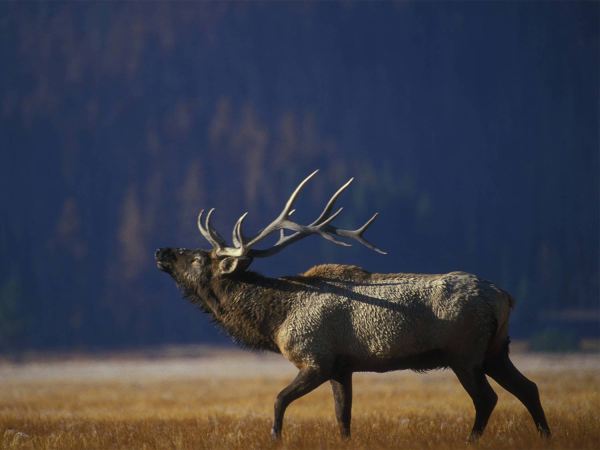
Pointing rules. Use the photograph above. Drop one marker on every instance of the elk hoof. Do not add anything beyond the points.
(275, 434)
(473, 438)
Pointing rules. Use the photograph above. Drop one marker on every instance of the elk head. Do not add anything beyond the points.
(193, 268)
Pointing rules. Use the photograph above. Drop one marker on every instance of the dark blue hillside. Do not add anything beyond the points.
(471, 127)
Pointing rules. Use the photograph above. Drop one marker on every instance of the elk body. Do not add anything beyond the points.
(334, 320)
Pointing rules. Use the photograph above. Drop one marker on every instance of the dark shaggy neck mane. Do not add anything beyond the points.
(248, 306)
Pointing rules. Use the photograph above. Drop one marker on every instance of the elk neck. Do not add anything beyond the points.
(251, 307)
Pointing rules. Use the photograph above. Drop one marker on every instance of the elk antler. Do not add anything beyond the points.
(209, 233)
(320, 226)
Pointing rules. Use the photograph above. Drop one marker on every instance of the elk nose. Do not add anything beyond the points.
(162, 253)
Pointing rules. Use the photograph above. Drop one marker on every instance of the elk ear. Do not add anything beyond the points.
(231, 264)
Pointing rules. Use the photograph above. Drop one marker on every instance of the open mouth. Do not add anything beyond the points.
(162, 266)
(164, 258)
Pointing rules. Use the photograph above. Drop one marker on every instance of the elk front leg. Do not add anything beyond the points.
(308, 378)
(342, 396)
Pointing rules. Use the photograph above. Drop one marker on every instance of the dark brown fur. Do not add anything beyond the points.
(252, 308)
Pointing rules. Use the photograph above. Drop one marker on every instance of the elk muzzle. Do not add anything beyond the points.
(165, 257)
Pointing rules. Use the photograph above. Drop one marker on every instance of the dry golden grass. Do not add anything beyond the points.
(226, 403)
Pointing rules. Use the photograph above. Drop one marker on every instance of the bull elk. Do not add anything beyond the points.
(334, 320)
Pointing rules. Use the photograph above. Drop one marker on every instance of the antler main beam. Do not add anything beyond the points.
(321, 226)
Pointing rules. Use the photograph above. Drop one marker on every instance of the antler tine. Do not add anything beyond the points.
(288, 206)
(300, 231)
(205, 232)
(276, 224)
(331, 201)
(362, 229)
(282, 231)
(322, 230)
(329, 219)
(319, 220)
(303, 230)
(237, 236)
(324, 214)
(358, 234)
(199, 222)
(214, 234)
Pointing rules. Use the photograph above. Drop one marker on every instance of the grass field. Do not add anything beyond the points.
(223, 400)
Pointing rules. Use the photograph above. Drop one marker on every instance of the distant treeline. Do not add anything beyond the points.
(472, 128)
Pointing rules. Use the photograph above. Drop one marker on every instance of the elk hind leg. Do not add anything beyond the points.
(503, 371)
(308, 379)
(484, 398)
(342, 396)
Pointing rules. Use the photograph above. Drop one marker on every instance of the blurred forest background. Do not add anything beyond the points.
(471, 127)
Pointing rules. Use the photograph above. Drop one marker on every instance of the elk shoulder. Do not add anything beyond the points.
(337, 271)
